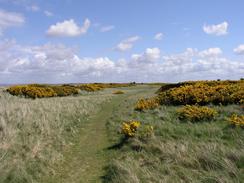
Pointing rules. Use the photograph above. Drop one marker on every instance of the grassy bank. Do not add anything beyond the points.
(33, 133)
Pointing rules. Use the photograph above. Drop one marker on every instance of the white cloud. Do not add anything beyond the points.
(127, 44)
(158, 36)
(218, 29)
(150, 55)
(10, 19)
(59, 64)
(239, 50)
(107, 28)
(211, 52)
(48, 13)
(68, 28)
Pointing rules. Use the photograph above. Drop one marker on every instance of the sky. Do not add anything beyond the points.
(70, 41)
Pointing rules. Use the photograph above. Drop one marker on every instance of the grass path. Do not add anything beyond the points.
(86, 159)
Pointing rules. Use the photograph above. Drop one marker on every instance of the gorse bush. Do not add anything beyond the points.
(65, 90)
(196, 113)
(90, 87)
(204, 92)
(236, 120)
(41, 91)
(32, 91)
(145, 104)
(196, 92)
(100, 86)
(129, 128)
(118, 92)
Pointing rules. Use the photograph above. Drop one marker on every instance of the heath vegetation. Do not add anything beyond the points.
(196, 135)
(184, 132)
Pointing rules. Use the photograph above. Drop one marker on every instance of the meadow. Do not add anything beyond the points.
(123, 133)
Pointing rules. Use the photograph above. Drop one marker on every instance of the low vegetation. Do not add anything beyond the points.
(44, 91)
(202, 93)
(184, 132)
(34, 133)
(118, 92)
(129, 128)
(178, 151)
(146, 104)
(236, 121)
(197, 113)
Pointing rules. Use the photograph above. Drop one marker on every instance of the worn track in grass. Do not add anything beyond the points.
(88, 156)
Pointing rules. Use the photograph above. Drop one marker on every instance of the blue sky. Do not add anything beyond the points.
(113, 40)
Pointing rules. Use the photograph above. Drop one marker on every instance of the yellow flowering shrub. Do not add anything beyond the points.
(65, 90)
(41, 91)
(204, 92)
(236, 120)
(31, 91)
(90, 87)
(129, 128)
(196, 113)
(145, 104)
(118, 92)
(100, 86)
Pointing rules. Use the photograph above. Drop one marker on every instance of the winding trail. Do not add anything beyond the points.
(88, 156)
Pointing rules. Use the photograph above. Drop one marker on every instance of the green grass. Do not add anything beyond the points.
(78, 139)
(34, 133)
(178, 151)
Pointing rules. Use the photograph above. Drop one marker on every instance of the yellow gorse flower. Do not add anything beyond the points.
(129, 128)
(236, 120)
(203, 92)
(196, 113)
(145, 104)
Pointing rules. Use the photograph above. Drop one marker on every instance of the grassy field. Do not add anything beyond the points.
(34, 133)
(78, 139)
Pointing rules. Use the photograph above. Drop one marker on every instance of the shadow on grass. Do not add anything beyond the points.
(112, 170)
(111, 173)
(119, 145)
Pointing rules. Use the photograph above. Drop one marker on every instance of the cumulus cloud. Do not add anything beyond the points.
(218, 29)
(150, 55)
(158, 36)
(107, 28)
(68, 28)
(57, 63)
(211, 52)
(10, 19)
(127, 44)
(239, 50)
